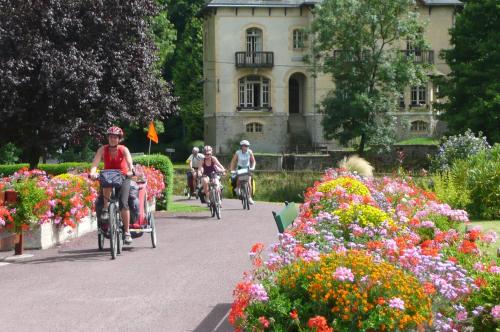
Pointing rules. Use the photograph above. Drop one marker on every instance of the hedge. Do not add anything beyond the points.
(53, 169)
(163, 164)
(158, 161)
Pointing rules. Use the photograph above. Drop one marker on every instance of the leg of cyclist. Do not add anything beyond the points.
(106, 195)
(204, 181)
(195, 176)
(125, 212)
(250, 200)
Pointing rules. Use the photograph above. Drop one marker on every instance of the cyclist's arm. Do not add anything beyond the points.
(190, 161)
(233, 162)
(218, 165)
(96, 161)
(128, 158)
(253, 163)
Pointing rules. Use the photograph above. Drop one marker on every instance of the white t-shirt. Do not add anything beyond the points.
(243, 158)
(197, 161)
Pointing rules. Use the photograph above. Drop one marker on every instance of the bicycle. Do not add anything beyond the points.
(215, 195)
(243, 178)
(113, 227)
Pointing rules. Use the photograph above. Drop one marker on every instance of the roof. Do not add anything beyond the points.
(298, 3)
(260, 3)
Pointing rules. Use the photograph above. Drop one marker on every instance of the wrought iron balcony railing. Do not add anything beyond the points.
(254, 59)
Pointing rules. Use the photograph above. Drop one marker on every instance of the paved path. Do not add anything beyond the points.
(185, 284)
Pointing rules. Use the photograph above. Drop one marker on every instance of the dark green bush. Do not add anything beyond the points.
(164, 165)
(9, 153)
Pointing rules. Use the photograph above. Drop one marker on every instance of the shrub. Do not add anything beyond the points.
(52, 169)
(450, 189)
(9, 154)
(164, 165)
(480, 175)
(456, 148)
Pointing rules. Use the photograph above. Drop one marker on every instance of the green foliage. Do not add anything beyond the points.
(449, 189)
(30, 196)
(9, 153)
(369, 70)
(164, 35)
(164, 165)
(481, 176)
(472, 89)
(52, 169)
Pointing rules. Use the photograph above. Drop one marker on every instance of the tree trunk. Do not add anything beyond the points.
(361, 148)
(34, 157)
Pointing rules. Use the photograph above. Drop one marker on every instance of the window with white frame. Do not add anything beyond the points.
(419, 126)
(418, 95)
(254, 92)
(299, 38)
(254, 40)
(254, 127)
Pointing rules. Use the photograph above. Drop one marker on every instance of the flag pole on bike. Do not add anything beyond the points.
(152, 137)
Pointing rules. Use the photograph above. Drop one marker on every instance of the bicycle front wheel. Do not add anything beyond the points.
(218, 206)
(113, 231)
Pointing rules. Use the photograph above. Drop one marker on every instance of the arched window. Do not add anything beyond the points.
(299, 38)
(254, 93)
(419, 126)
(254, 127)
(254, 40)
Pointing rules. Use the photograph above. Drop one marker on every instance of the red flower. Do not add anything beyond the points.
(294, 315)
(480, 282)
(264, 322)
(453, 259)
(257, 247)
(319, 324)
(468, 247)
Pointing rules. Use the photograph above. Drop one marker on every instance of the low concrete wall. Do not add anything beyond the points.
(416, 157)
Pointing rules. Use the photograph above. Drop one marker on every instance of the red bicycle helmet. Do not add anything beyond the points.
(115, 131)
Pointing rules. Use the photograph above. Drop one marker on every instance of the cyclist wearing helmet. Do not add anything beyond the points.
(244, 158)
(115, 156)
(210, 164)
(195, 161)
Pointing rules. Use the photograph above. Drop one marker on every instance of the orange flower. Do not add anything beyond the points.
(319, 324)
(257, 247)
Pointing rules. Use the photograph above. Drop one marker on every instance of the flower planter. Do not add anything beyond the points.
(49, 235)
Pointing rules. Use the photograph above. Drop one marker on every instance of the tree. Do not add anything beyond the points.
(359, 42)
(473, 88)
(69, 69)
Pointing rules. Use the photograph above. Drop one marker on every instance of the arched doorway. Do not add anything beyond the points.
(296, 84)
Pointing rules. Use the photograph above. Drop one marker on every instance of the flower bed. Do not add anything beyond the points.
(371, 255)
(47, 205)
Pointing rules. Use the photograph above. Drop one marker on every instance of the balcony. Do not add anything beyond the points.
(420, 56)
(254, 109)
(254, 59)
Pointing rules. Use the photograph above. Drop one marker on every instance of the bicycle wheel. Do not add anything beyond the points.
(100, 240)
(112, 230)
(244, 197)
(218, 206)
(154, 240)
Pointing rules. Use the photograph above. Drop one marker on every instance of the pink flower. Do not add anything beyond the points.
(489, 237)
(479, 266)
(494, 269)
(343, 274)
(495, 312)
(462, 315)
(397, 303)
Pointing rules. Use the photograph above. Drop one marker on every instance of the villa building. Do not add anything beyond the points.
(258, 86)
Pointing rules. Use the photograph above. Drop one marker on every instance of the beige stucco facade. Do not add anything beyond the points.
(276, 106)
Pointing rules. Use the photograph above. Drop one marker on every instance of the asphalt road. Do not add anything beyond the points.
(185, 284)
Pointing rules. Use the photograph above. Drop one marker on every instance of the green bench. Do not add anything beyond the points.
(286, 216)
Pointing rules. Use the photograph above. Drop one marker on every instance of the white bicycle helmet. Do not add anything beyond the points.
(245, 142)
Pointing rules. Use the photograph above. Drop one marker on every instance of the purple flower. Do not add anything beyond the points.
(343, 274)
(397, 303)
(258, 293)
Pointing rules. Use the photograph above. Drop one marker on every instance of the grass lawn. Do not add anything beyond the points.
(487, 225)
(181, 207)
(419, 141)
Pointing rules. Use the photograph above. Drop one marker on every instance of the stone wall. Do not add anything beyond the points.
(415, 157)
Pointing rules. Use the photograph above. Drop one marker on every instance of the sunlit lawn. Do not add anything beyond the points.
(487, 225)
(181, 207)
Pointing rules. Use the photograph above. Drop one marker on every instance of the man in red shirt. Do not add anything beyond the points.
(116, 156)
